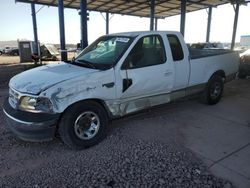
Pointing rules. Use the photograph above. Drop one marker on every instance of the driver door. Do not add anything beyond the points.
(146, 77)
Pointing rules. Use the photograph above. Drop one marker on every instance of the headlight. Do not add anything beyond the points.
(35, 104)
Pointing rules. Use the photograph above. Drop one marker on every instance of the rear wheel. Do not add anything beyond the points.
(214, 90)
(83, 125)
(242, 75)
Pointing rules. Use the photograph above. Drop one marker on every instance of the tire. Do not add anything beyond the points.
(83, 125)
(242, 76)
(214, 90)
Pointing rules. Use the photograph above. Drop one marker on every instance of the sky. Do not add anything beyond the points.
(16, 23)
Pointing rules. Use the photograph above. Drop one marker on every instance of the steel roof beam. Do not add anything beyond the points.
(103, 4)
(201, 3)
(46, 4)
(91, 2)
(188, 4)
(146, 7)
(72, 1)
(139, 11)
(137, 3)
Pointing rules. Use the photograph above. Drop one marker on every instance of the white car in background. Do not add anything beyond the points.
(244, 69)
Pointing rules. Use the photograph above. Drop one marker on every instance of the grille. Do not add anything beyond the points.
(13, 98)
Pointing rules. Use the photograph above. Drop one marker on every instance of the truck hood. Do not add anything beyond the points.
(39, 79)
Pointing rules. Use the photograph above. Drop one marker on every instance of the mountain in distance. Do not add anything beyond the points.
(10, 43)
(14, 43)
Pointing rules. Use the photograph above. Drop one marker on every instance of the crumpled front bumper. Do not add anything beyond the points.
(30, 126)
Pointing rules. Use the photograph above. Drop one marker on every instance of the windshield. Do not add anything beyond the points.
(105, 52)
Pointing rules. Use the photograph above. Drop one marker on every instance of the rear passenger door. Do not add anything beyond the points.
(146, 70)
(180, 61)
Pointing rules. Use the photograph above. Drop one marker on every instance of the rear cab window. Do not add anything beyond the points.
(176, 48)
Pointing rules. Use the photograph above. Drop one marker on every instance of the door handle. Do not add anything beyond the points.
(168, 72)
(108, 85)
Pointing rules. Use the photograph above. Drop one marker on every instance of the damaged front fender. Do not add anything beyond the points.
(90, 86)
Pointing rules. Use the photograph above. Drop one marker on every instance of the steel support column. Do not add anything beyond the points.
(156, 24)
(209, 23)
(152, 14)
(107, 23)
(33, 13)
(62, 30)
(84, 27)
(235, 24)
(183, 16)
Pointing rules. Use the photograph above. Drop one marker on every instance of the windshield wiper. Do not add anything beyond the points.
(70, 61)
(83, 62)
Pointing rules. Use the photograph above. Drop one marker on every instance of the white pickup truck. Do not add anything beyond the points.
(116, 75)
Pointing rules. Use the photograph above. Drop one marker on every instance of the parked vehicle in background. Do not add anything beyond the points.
(208, 45)
(1, 51)
(11, 51)
(6, 49)
(49, 52)
(244, 69)
(14, 51)
(117, 75)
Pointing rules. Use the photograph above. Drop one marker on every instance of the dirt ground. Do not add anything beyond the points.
(8, 59)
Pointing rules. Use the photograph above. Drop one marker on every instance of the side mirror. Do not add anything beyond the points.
(127, 63)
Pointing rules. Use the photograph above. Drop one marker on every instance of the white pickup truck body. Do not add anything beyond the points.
(126, 86)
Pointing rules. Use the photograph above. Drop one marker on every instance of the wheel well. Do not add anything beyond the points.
(98, 101)
(219, 73)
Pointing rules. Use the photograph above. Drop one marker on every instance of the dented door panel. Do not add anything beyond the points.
(150, 85)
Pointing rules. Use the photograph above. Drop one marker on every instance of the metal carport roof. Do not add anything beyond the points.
(163, 8)
(142, 8)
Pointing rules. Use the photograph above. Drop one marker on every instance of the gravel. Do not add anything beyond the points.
(126, 158)
(115, 162)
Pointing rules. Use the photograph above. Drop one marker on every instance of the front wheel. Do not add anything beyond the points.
(83, 125)
(214, 90)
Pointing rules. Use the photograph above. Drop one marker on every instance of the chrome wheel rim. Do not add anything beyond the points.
(215, 90)
(87, 125)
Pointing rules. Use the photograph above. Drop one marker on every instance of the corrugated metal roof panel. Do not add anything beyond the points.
(141, 8)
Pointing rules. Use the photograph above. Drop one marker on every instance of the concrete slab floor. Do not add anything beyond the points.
(220, 134)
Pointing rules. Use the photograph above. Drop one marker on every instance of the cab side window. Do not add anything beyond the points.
(148, 51)
(176, 47)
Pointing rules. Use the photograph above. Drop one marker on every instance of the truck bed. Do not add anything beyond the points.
(200, 53)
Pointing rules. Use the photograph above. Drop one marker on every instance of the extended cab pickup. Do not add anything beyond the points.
(116, 75)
